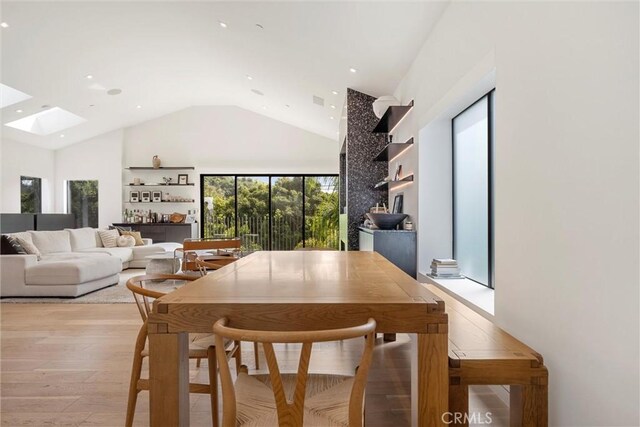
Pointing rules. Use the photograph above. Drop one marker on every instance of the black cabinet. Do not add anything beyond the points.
(398, 246)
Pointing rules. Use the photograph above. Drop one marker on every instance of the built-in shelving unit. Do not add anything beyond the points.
(392, 117)
(395, 183)
(150, 168)
(393, 150)
(160, 185)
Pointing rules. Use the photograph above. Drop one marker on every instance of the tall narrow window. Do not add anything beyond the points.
(30, 194)
(472, 190)
(82, 202)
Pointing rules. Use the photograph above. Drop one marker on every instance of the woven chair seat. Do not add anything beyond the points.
(326, 400)
(198, 345)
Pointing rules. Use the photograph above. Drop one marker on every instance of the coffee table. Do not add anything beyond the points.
(164, 263)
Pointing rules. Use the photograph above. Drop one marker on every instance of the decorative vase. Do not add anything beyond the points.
(156, 162)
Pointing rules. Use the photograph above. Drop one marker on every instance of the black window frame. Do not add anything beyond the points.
(490, 97)
(263, 175)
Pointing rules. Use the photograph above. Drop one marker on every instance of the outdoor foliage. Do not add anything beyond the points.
(321, 211)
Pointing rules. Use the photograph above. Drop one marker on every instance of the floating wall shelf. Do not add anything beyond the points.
(392, 117)
(149, 168)
(390, 151)
(393, 184)
(159, 185)
(156, 203)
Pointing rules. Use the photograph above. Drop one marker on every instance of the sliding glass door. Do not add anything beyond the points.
(270, 212)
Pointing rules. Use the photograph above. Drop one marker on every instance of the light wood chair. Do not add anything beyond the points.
(205, 267)
(318, 400)
(200, 346)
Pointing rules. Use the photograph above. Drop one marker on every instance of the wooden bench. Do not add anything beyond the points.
(480, 353)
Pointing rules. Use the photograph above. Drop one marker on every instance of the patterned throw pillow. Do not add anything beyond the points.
(135, 234)
(126, 241)
(29, 247)
(10, 246)
(109, 238)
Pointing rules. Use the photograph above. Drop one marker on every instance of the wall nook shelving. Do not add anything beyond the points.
(392, 117)
(393, 150)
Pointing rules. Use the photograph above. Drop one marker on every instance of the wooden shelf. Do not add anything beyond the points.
(150, 168)
(392, 117)
(393, 184)
(390, 151)
(160, 185)
(154, 203)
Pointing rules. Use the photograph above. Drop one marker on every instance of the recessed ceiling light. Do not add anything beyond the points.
(114, 91)
(138, 106)
(333, 107)
(331, 117)
(335, 92)
(4, 25)
(89, 76)
(264, 107)
(222, 24)
(249, 77)
(62, 135)
(259, 26)
(353, 70)
(18, 111)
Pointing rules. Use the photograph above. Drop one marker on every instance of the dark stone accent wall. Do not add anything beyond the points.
(362, 172)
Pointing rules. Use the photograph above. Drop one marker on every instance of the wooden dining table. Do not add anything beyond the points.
(299, 290)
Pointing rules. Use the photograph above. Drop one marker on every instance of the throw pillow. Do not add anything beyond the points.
(29, 247)
(10, 246)
(126, 241)
(135, 234)
(108, 238)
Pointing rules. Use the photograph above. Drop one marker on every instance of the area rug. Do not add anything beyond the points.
(116, 294)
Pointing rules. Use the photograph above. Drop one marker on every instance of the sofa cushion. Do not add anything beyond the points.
(51, 241)
(24, 235)
(10, 246)
(124, 254)
(28, 247)
(72, 271)
(84, 238)
(135, 234)
(108, 238)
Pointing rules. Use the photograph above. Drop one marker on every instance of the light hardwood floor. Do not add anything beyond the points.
(69, 365)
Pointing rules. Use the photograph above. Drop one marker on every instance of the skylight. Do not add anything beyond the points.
(47, 122)
(10, 96)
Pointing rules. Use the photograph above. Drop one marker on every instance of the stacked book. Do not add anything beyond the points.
(445, 268)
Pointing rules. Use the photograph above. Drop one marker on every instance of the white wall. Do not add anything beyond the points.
(18, 159)
(99, 158)
(566, 183)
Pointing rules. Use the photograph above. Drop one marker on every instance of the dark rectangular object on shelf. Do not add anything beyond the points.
(392, 150)
(16, 222)
(49, 222)
(392, 117)
(164, 232)
(161, 168)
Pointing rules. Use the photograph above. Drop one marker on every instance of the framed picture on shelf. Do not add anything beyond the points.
(398, 172)
(397, 204)
(183, 179)
(134, 196)
(190, 218)
(156, 196)
(145, 196)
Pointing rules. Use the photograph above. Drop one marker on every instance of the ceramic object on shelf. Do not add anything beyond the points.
(381, 104)
(156, 162)
(386, 221)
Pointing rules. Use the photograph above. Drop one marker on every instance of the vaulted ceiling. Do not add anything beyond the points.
(268, 57)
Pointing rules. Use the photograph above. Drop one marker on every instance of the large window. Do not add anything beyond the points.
(270, 212)
(82, 201)
(30, 194)
(472, 133)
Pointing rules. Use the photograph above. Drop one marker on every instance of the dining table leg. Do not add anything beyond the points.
(168, 379)
(433, 378)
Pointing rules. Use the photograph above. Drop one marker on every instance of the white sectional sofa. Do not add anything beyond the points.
(73, 262)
